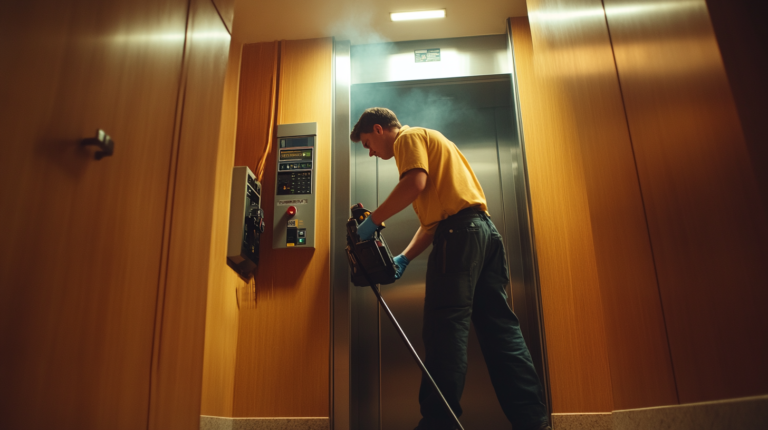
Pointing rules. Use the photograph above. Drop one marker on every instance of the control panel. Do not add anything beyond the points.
(295, 190)
(246, 221)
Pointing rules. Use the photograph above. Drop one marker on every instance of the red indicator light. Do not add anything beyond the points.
(291, 211)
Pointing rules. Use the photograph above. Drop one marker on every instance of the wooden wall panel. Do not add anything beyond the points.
(573, 317)
(177, 362)
(708, 226)
(257, 111)
(81, 239)
(222, 313)
(283, 346)
(574, 67)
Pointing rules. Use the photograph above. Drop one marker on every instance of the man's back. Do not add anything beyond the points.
(452, 185)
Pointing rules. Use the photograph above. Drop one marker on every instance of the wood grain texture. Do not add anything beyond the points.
(226, 9)
(81, 239)
(257, 111)
(573, 317)
(708, 226)
(742, 37)
(576, 54)
(221, 322)
(283, 343)
(177, 362)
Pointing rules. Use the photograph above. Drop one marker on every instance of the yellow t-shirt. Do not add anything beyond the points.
(451, 184)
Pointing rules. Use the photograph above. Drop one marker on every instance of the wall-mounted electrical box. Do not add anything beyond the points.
(246, 221)
(295, 190)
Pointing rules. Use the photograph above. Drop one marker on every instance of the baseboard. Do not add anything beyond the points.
(586, 421)
(292, 423)
(737, 414)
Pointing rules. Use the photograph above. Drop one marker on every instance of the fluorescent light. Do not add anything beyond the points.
(426, 14)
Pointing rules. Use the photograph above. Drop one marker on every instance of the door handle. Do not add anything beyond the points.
(103, 141)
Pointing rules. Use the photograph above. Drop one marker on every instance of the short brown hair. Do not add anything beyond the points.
(372, 116)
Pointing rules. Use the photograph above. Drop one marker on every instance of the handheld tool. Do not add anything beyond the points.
(371, 264)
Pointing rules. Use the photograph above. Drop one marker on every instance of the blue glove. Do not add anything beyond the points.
(402, 262)
(366, 229)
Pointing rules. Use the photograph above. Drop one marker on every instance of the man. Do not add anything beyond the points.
(466, 275)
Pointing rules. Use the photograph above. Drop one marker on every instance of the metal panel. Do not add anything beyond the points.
(245, 198)
(365, 346)
(460, 57)
(301, 129)
(340, 203)
(475, 105)
(474, 114)
(306, 207)
(305, 203)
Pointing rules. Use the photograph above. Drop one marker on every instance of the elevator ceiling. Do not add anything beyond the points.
(366, 21)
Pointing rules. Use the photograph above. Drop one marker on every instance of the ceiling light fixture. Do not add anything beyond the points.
(426, 14)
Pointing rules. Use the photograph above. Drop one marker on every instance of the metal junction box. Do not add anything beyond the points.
(295, 186)
(246, 221)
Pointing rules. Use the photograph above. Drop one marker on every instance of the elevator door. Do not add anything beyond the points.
(474, 115)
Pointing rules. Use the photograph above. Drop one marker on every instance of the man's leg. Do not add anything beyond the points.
(506, 354)
(452, 271)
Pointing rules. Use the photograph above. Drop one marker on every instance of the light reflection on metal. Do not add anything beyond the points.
(655, 7)
(469, 56)
(169, 37)
(144, 38)
(212, 35)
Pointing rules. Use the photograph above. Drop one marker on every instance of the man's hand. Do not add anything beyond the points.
(421, 241)
(402, 262)
(366, 229)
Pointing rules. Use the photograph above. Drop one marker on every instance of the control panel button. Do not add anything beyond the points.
(291, 211)
(294, 182)
(290, 236)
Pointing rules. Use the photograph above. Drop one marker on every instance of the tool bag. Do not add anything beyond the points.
(373, 254)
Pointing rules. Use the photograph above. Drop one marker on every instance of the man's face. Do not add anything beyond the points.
(379, 142)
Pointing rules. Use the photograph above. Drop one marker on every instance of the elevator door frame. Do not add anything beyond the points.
(344, 405)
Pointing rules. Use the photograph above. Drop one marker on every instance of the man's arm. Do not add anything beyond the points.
(407, 189)
(419, 243)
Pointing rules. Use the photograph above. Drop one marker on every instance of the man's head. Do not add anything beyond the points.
(377, 129)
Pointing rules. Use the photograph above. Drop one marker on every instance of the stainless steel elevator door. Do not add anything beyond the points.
(468, 114)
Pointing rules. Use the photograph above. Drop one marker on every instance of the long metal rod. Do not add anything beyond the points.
(375, 288)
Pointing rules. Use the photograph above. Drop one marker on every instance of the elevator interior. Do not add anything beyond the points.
(473, 105)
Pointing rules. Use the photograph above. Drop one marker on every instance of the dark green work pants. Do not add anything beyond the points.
(467, 275)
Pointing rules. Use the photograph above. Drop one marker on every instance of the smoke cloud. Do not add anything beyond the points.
(451, 108)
